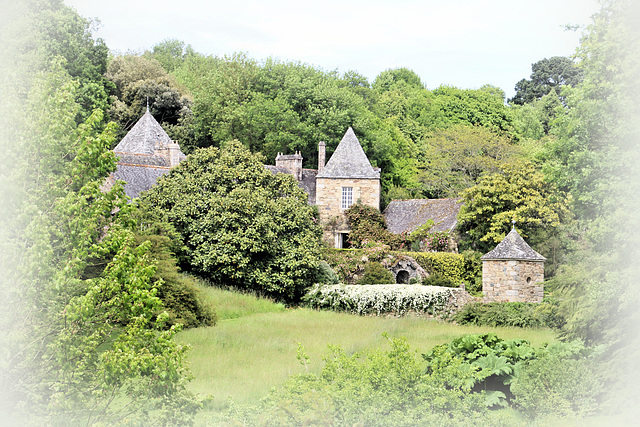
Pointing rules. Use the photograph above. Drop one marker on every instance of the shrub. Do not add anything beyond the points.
(443, 263)
(378, 388)
(556, 386)
(369, 225)
(238, 223)
(518, 314)
(500, 364)
(325, 274)
(438, 241)
(438, 280)
(179, 293)
(376, 274)
(472, 275)
(349, 263)
(379, 299)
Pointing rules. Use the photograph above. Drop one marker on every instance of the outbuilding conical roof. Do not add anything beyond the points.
(349, 160)
(513, 247)
(143, 137)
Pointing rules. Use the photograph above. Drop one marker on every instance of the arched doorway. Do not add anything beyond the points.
(402, 277)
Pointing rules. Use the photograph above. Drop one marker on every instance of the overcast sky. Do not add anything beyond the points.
(463, 43)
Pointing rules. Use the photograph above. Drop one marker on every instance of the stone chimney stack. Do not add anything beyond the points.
(292, 163)
(321, 155)
(174, 153)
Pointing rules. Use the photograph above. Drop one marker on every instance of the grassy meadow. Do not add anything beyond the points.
(254, 345)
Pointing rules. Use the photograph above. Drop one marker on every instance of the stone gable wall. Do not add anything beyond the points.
(512, 281)
(329, 198)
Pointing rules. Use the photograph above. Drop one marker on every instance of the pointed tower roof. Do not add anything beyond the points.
(143, 137)
(349, 160)
(513, 247)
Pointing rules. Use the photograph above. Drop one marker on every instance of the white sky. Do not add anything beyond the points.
(463, 43)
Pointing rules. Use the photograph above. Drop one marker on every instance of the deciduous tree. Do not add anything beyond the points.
(518, 192)
(240, 224)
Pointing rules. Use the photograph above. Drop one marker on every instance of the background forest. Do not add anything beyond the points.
(85, 336)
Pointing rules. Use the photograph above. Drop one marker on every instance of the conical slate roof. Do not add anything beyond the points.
(349, 160)
(143, 137)
(513, 247)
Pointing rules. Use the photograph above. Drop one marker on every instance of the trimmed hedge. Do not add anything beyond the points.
(445, 264)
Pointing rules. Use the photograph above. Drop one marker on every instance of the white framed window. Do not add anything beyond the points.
(347, 197)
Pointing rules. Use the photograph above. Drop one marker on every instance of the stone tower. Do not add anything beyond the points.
(347, 177)
(513, 272)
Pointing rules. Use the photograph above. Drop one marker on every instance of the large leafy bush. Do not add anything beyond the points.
(369, 225)
(239, 224)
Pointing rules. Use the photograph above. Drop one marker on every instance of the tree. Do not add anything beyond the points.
(139, 82)
(519, 192)
(170, 53)
(480, 107)
(452, 159)
(595, 156)
(58, 31)
(399, 76)
(547, 74)
(240, 224)
(76, 350)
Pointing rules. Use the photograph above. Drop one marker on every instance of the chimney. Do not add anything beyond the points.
(174, 153)
(321, 155)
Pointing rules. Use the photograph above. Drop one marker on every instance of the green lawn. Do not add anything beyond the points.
(253, 347)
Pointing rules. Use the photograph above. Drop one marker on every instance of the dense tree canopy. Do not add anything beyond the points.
(240, 224)
(452, 159)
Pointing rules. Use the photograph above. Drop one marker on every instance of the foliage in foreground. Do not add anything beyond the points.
(94, 347)
(465, 382)
(378, 388)
(239, 224)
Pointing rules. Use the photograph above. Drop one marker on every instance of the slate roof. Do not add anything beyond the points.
(138, 178)
(513, 247)
(349, 160)
(143, 137)
(408, 215)
(308, 183)
(139, 164)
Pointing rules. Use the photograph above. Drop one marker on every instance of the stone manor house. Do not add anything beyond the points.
(511, 272)
(147, 152)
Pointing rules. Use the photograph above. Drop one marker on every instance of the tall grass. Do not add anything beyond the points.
(233, 304)
(253, 347)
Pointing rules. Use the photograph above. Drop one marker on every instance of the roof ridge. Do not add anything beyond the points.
(143, 137)
(513, 246)
(349, 160)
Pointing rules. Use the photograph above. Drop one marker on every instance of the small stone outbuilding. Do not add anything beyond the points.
(513, 272)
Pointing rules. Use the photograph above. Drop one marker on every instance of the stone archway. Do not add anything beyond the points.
(404, 269)
(402, 277)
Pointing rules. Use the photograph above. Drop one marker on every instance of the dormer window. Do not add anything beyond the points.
(347, 197)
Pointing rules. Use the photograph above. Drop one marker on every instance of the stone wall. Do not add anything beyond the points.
(329, 198)
(512, 281)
